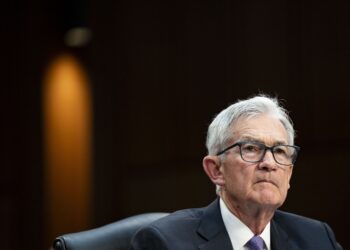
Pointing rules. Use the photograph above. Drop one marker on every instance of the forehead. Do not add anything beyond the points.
(264, 128)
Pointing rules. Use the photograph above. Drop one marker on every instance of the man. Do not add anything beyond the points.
(250, 159)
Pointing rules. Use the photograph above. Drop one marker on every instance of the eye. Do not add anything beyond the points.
(251, 147)
(281, 150)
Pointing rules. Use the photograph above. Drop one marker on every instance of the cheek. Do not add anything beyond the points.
(285, 185)
(238, 178)
(238, 175)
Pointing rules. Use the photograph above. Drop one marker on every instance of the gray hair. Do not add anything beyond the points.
(219, 131)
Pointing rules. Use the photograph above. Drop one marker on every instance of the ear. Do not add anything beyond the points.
(212, 167)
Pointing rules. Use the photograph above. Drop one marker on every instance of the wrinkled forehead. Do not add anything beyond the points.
(264, 128)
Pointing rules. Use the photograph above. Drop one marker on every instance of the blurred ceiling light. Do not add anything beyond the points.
(78, 37)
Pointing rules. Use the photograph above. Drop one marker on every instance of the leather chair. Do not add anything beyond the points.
(114, 236)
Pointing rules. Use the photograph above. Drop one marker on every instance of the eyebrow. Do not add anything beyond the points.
(252, 139)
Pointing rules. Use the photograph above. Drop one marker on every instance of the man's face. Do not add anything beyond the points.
(264, 183)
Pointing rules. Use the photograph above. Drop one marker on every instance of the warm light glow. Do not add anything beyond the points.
(67, 145)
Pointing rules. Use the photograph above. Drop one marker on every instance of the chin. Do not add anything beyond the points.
(270, 199)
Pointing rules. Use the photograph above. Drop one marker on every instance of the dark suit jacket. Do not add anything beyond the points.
(204, 229)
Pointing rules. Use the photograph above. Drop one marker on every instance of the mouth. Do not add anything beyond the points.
(267, 181)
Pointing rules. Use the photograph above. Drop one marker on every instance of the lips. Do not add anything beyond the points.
(267, 181)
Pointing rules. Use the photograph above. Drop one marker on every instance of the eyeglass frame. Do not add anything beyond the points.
(265, 148)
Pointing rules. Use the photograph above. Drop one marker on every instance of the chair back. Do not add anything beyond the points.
(114, 236)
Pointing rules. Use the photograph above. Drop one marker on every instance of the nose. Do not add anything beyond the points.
(268, 163)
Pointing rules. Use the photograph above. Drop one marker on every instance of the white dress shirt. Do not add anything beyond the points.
(238, 232)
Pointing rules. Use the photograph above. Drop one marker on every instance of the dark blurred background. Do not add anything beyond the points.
(158, 71)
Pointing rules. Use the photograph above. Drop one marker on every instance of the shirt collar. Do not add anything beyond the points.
(238, 232)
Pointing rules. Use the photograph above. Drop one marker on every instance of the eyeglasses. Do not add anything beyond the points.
(255, 151)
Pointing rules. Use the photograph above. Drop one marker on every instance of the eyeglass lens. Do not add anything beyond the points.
(254, 152)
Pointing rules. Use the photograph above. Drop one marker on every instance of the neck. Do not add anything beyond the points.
(256, 217)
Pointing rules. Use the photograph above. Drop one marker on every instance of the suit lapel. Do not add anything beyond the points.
(212, 229)
(279, 238)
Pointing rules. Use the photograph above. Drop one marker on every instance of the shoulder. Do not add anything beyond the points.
(179, 218)
(294, 222)
(290, 218)
(175, 231)
(304, 229)
(180, 223)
